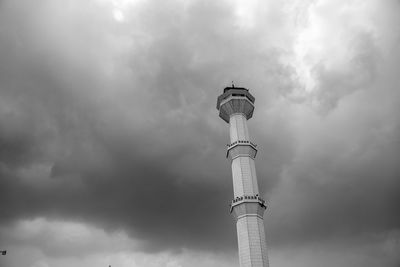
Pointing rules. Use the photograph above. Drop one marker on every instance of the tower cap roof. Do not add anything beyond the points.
(235, 91)
(232, 87)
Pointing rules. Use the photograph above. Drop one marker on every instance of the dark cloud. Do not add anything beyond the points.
(114, 124)
(142, 152)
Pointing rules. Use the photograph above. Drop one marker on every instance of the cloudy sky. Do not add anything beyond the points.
(112, 151)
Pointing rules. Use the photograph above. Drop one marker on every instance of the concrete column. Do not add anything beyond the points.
(251, 241)
(238, 127)
(249, 225)
(244, 176)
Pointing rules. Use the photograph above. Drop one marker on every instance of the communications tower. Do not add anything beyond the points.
(236, 106)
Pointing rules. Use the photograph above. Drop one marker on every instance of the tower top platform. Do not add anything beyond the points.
(235, 100)
(235, 91)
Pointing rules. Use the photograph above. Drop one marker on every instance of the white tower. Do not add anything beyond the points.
(236, 106)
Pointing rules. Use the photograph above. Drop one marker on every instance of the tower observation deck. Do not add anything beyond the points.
(236, 106)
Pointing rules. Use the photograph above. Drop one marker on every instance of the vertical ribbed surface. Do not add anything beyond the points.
(238, 127)
(244, 177)
(250, 227)
(251, 240)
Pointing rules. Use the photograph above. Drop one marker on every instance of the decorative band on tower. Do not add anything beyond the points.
(236, 106)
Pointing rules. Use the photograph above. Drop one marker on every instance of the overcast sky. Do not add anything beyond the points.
(112, 151)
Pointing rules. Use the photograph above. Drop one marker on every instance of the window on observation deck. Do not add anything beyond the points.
(243, 96)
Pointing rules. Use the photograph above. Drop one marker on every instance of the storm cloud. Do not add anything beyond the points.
(109, 136)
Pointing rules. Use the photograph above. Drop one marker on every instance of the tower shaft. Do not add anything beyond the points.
(243, 167)
(236, 107)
